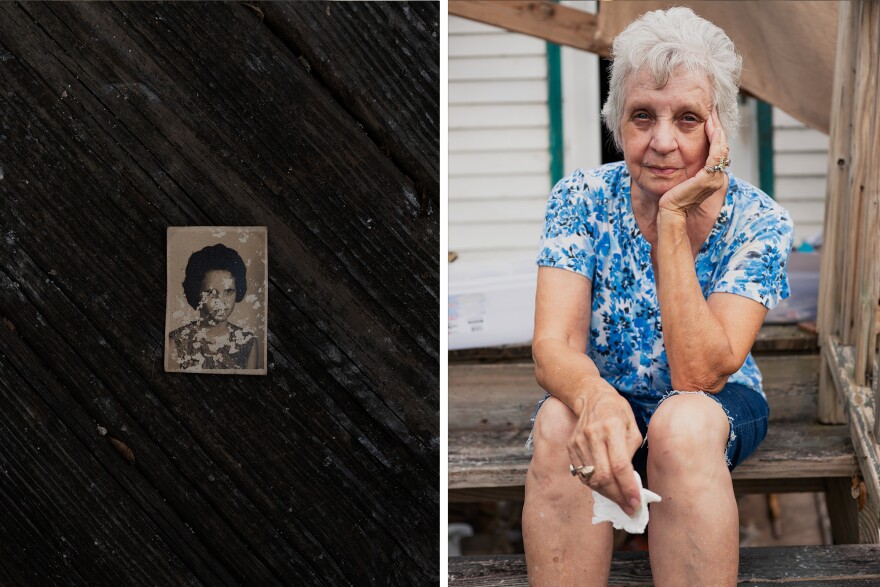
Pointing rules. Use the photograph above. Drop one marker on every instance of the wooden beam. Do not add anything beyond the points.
(839, 160)
(542, 19)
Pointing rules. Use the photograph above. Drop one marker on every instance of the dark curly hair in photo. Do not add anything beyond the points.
(215, 257)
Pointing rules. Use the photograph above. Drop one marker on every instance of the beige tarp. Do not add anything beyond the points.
(788, 48)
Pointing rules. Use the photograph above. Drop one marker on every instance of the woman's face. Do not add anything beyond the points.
(217, 296)
(663, 130)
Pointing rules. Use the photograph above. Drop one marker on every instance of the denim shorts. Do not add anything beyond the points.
(746, 409)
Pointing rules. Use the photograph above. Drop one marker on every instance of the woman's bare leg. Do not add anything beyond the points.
(694, 531)
(562, 545)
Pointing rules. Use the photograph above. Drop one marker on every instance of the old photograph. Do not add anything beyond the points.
(215, 320)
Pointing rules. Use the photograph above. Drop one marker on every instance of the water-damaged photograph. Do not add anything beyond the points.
(216, 311)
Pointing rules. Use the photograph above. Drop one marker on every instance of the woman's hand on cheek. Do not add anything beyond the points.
(693, 191)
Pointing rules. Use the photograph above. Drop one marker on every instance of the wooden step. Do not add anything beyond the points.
(490, 406)
(800, 565)
(491, 464)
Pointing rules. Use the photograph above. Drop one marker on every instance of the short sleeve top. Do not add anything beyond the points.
(590, 229)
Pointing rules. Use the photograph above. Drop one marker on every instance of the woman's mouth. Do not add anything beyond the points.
(664, 171)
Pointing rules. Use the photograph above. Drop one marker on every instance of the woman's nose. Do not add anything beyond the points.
(663, 140)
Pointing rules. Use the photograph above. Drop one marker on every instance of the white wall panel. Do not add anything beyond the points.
(524, 210)
(800, 164)
(492, 188)
(799, 139)
(518, 238)
(497, 68)
(800, 167)
(498, 116)
(498, 92)
(499, 159)
(499, 164)
(495, 45)
(498, 139)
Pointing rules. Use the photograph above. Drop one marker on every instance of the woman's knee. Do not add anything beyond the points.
(554, 425)
(686, 430)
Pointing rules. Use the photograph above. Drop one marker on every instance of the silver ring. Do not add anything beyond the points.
(585, 471)
(725, 163)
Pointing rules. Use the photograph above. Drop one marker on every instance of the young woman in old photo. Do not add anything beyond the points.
(216, 279)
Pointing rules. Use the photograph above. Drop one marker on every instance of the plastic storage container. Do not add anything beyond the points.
(491, 303)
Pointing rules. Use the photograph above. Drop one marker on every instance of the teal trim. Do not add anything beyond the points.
(554, 107)
(766, 176)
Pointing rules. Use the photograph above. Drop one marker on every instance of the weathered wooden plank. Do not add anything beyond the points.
(843, 512)
(740, 487)
(312, 257)
(403, 118)
(545, 20)
(93, 526)
(866, 178)
(839, 161)
(122, 120)
(850, 249)
(803, 565)
(490, 406)
(39, 350)
(493, 460)
(504, 395)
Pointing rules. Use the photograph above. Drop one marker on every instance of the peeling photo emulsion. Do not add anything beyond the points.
(215, 317)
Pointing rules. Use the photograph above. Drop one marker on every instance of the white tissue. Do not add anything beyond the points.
(605, 510)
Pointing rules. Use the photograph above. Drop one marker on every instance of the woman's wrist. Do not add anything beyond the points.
(589, 396)
(670, 216)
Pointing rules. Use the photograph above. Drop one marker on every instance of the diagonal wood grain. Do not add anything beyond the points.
(402, 118)
(118, 121)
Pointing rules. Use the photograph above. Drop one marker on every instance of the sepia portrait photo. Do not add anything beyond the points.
(215, 317)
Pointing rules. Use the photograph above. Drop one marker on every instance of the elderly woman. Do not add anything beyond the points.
(216, 278)
(654, 279)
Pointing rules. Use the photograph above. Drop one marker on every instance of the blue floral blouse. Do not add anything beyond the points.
(590, 229)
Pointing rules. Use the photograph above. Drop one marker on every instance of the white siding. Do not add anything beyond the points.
(499, 145)
(800, 162)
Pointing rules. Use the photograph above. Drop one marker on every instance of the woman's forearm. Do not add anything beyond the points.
(567, 373)
(697, 348)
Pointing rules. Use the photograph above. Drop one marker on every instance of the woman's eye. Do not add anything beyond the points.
(641, 116)
(690, 118)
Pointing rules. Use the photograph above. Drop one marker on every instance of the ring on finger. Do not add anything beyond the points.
(585, 471)
(725, 163)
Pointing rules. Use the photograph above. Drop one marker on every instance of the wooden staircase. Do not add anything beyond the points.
(491, 403)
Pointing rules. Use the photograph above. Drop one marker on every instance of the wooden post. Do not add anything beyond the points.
(851, 258)
(843, 512)
(866, 142)
(836, 203)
